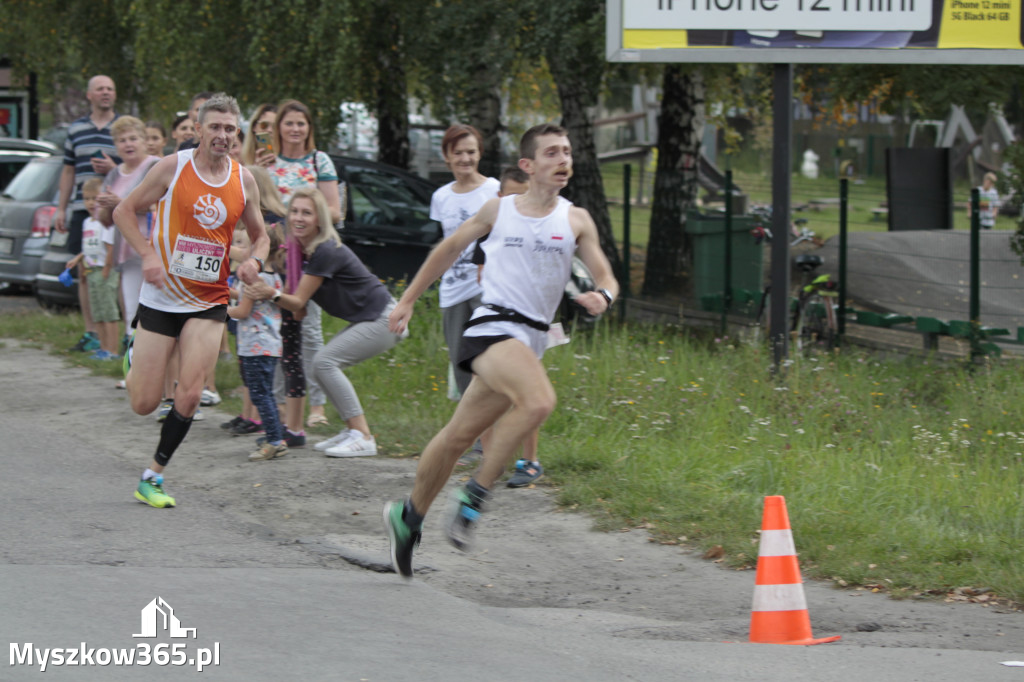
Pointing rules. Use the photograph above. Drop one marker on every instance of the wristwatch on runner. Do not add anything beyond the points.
(258, 260)
(607, 296)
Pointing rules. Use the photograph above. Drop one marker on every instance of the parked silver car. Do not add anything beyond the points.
(16, 152)
(27, 208)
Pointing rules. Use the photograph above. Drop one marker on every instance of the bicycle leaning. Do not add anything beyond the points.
(814, 320)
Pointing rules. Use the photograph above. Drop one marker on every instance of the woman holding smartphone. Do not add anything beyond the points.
(261, 133)
(295, 163)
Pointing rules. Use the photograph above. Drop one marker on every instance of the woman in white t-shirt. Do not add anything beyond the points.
(452, 205)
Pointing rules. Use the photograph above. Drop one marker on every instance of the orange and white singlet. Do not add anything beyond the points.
(192, 231)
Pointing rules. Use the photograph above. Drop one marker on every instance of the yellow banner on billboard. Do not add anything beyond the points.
(954, 24)
(990, 24)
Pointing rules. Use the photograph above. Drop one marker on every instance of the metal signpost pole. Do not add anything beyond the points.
(781, 159)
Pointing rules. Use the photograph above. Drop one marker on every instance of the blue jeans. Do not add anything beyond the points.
(258, 375)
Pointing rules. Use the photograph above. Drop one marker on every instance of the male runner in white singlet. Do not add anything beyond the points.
(529, 254)
(200, 194)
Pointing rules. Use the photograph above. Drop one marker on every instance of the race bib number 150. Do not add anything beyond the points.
(197, 260)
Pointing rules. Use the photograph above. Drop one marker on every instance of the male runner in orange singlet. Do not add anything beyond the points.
(200, 194)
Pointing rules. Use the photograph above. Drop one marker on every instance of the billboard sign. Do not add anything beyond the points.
(817, 31)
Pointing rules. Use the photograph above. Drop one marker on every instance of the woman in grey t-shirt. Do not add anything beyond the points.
(337, 280)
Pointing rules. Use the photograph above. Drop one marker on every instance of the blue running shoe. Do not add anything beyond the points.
(463, 516)
(526, 473)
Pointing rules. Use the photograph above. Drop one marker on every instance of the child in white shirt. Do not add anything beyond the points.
(104, 282)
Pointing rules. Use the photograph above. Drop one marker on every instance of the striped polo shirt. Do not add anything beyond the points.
(85, 139)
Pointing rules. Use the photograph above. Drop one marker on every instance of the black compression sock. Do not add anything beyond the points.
(174, 430)
(477, 494)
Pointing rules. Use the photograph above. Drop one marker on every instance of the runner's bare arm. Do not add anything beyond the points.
(440, 259)
(588, 247)
(249, 270)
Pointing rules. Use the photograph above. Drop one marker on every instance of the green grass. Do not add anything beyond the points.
(906, 475)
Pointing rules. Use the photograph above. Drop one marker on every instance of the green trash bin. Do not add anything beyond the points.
(708, 235)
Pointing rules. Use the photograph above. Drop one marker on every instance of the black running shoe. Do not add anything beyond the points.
(292, 440)
(227, 426)
(246, 427)
(402, 538)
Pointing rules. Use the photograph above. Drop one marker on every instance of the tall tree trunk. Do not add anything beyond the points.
(392, 103)
(485, 116)
(585, 188)
(680, 127)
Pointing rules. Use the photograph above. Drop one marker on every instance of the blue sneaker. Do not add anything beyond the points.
(463, 516)
(88, 342)
(103, 355)
(526, 473)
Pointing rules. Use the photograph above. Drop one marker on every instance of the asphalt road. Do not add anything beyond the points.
(80, 562)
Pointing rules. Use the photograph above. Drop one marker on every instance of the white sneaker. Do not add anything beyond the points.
(357, 446)
(198, 416)
(208, 398)
(343, 435)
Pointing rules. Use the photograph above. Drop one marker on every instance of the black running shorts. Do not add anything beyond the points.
(472, 346)
(171, 324)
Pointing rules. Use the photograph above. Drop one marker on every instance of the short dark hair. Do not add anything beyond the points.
(515, 174)
(205, 94)
(178, 120)
(528, 145)
(159, 126)
(458, 131)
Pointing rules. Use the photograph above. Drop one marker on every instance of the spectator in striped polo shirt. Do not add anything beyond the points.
(88, 152)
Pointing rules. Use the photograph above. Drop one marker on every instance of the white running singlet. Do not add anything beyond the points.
(528, 263)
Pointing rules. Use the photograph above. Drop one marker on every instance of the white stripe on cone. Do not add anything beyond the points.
(776, 543)
(779, 598)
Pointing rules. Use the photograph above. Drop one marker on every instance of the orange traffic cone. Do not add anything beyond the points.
(779, 614)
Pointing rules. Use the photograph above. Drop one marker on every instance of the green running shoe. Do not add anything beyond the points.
(151, 492)
(402, 538)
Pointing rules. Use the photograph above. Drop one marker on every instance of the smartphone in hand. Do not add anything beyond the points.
(265, 141)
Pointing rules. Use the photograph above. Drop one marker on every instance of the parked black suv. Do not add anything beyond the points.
(387, 220)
